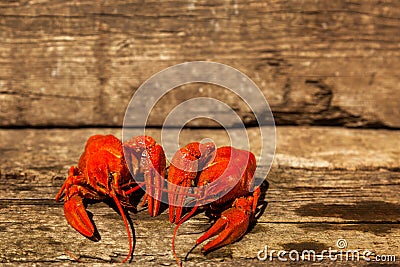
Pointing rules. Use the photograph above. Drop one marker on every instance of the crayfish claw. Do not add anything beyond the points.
(77, 216)
(231, 226)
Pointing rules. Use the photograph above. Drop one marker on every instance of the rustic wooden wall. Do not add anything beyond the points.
(76, 63)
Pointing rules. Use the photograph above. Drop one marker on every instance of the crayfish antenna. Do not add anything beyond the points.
(134, 189)
(73, 256)
(121, 210)
(187, 216)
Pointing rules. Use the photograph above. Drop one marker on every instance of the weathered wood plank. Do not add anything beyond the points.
(52, 152)
(305, 207)
(68, 63)
(316, 224)
(49, 236)
(309, 196)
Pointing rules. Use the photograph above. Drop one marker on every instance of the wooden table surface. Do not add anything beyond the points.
(325, 184)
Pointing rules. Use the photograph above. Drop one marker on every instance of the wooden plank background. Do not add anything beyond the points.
(311, 199)
(77, 63)
(69, 68)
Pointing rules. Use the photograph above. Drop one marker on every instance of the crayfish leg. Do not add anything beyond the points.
(70, 181)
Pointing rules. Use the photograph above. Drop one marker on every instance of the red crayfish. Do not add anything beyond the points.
(223, 179)
(103, 172)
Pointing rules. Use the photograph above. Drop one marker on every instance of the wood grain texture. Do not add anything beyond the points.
(74, 63)
(304, 207)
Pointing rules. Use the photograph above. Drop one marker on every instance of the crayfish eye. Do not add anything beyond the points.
(110, 177)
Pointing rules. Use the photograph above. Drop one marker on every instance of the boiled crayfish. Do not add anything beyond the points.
(223, 177)
(103, 172)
